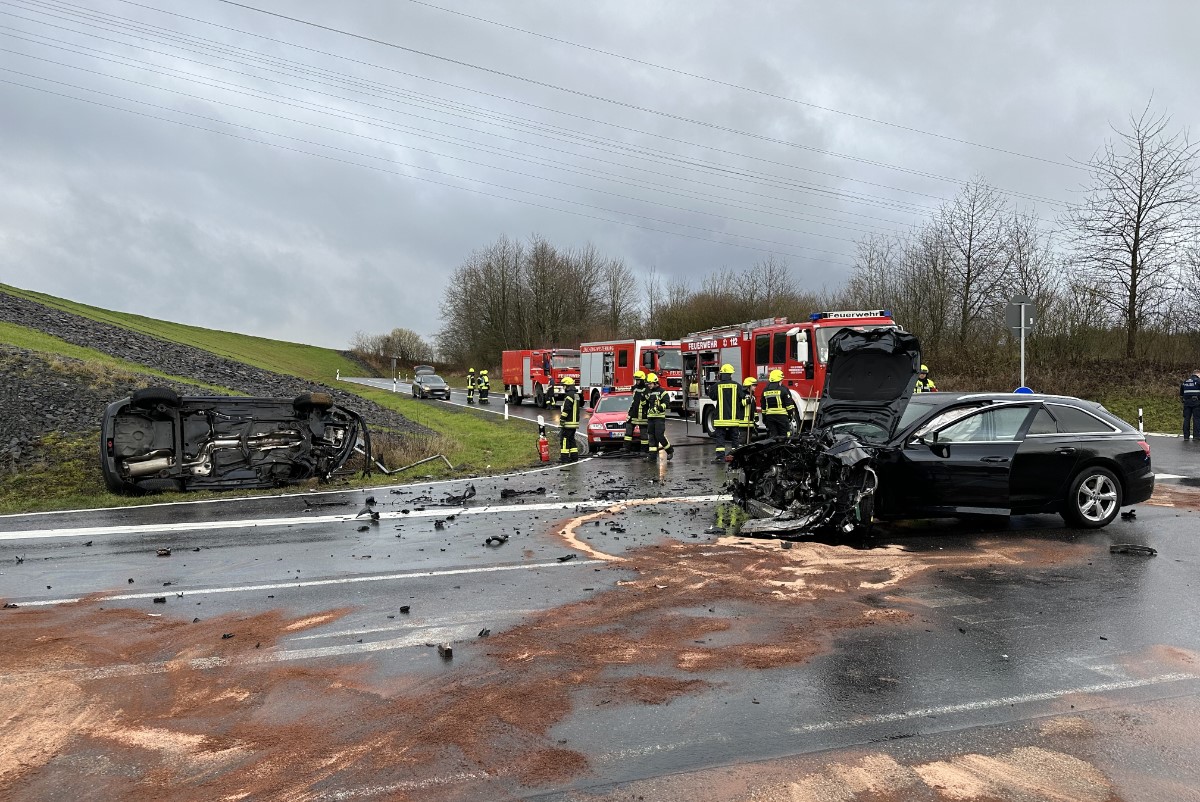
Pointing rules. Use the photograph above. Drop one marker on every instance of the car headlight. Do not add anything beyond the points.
(595, 427)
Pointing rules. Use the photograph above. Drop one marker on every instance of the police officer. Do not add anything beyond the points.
(749, 409)
(778, 406)
(924, 383)
(470, 385)
(483, 382)
(727, 394)
(1189, 393)
(657, 403)
(637, 414)
(568, 422)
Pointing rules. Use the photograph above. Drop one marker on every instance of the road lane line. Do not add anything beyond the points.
(249, 523)
(311, 583)
(988, 704)
(391, 788)
(479, 618)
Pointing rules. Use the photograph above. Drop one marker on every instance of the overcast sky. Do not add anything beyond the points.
(385, 165)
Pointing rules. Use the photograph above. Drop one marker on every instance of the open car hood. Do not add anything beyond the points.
(869, 380)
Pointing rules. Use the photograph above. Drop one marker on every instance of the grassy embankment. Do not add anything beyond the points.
(66, 474)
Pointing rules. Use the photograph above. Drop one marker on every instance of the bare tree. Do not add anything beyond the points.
(973, 233)
(621, 302)
(1130, 233)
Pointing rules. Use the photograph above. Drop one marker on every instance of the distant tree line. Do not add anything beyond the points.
(378, 350)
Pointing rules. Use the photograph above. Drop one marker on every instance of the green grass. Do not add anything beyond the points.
(1159, 413)
(305, 361)
(97, 362)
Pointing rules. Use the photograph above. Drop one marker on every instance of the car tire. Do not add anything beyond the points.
(539, 398)
(706, 421)
(151, 397)
(310, 401)
(514, 397)
(1094, 498)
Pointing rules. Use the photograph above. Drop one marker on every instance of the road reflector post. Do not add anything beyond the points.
(506, 410)
(1141, 426)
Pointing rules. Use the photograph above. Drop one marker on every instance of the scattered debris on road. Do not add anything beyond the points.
(1132, 548)
(496, 540)
(460, 498)
(163, 552)
(1129, 515)
(160, 599)
(446, 651)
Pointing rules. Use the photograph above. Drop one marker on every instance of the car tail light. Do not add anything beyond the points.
(1145, 447)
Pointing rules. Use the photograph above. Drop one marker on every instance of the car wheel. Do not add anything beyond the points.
(311, 401)
(706, 421)
(153, 396)
(1094, 498)
(539, 399)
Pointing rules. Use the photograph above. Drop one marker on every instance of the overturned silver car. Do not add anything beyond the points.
(825, 479)
(157, 440)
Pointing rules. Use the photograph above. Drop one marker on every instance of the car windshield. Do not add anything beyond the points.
(614, 403)
(825, 334)
(433, 381)
(670, 359)
(566, 362)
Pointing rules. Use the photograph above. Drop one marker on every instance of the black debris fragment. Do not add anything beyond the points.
(20, 559)
(508, 492)
(163, 552)
(496, 540)
(195, 620)
(483, 633)
(160, 599)
(1129, 515)
(10, 606)
(452, 498)
(368, 512)
(88, 543)
(439, 524)
(131, 580)
(364, 528)
(566, 557)
(446, 651)
(1132, 548)
(404, 609)
(196, 549)
(227, 636)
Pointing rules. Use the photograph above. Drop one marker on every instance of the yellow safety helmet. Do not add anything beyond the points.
(727, 368)
(652, 378)
(639, 374)
(569, 382)
(775, 375)
(750, 381)
(483, 373)
(470, 370)
(924, 369)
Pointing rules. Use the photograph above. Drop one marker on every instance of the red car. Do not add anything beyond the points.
(606, 425)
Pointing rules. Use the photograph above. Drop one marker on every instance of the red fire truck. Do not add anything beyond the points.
(608, 367)
(756, 348)
(538, 374)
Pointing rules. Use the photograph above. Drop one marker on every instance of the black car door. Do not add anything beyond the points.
(1044, 462)
(967, 467)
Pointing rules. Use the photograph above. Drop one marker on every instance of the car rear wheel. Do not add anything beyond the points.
(310, 401)
(1094, 498)
(150, 397)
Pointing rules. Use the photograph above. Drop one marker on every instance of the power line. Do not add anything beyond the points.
(204, 43)
(752, 90)
(544, 84)
(405, 175)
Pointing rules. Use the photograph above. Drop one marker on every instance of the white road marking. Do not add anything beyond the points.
(988, 704)
(313, 583)
(307, 494)
(250, 523)
(1166, 476)
(391, 788)
(479, 618)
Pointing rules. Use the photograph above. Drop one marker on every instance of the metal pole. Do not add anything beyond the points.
(1022, 345)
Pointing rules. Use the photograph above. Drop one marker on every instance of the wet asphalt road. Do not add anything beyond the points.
(991, 645)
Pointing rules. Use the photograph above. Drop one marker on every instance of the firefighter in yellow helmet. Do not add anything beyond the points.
(778, 406)
(568, 422)
(637, 415)
(727, 416)
(483, 383)
(924, 383)
(657, 403)
(749, 409)
(470, 385)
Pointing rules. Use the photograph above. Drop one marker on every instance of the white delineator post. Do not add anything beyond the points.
(506, 410)
(1141, 428)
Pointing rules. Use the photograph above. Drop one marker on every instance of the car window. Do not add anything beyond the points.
(436, 381)
(779, 348)
(1076, 421)
(618, 403)
(990, 425)
(1043, 423)
(916, 409)
(762, 349)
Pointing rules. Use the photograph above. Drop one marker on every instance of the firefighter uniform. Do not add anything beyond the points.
(470, 385)
(657, 403)
(568, 422)
(728, 395)
(1189, 393)
(778, 406)
(924, 383)
(637, 415)
(483, 383)
(749, 410)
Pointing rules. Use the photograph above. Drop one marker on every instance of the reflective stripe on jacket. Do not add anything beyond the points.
(637, 407)
(777, 400)
(482, 382)
(728, 395)
(570, 410)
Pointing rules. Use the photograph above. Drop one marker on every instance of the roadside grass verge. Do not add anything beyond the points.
(96, 368)
(304, 361)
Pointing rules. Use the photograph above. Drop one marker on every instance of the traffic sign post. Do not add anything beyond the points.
(1020, 315)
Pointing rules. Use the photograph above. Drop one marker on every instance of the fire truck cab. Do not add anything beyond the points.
(799, 350)
(537, 374)
(608, 367)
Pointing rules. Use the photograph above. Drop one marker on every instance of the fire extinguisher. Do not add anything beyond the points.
(543, 445)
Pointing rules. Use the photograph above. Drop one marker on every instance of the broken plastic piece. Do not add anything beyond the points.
(483, 633)
(446, 651)
(1132, 548)
(160, 599)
